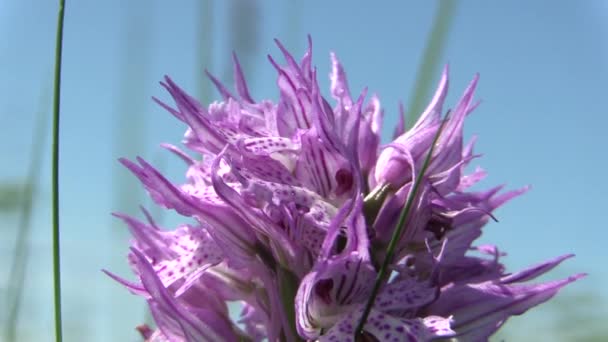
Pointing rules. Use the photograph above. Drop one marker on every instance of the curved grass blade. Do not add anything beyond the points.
(55, 173)
(430, 59)
(16, 276)
(204, 38)
(397, 233)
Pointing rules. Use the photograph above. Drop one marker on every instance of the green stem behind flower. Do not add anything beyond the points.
(205, 49)
(397, 234)
(16, 277)
(55, 173)
(288, 286)
(430, 59)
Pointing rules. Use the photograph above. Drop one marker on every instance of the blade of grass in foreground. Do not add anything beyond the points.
(204, 45)
(55, 173)
(16, 277)
(430, 59)
(397, 233)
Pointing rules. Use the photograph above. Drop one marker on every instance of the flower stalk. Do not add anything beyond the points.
(55, 174)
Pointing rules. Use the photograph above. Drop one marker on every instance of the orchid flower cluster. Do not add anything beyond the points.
(294, 206)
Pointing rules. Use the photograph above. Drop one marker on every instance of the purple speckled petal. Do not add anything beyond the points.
(280, 243)
(150, 240)
(389, 328)
(268, 145)
(197, 251)
(486, 305)
(204, 204)
(338, 282)
(321, 168)
(182, 254)
(173, 319)
(405, 294)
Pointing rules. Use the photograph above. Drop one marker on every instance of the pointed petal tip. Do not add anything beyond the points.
(578, 276)
(117, 278)
(273, 62)
(446, 69)
(210, 75)
(128, 163)
(472, 86)
(281, 46)
(141, 161)
(567, 256)
(138, 254)
(112, 275)
(119, 215)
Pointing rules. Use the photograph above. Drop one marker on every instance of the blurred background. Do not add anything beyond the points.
(542, 122)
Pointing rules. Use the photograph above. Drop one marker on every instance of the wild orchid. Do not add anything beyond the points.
(294, 206)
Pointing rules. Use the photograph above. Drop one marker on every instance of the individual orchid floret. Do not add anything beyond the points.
(294, 211)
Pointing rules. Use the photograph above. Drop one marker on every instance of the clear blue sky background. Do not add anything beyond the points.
(542, 122)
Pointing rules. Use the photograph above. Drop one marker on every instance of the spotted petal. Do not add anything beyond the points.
(482, 308)
(389, 328)
(173, 319)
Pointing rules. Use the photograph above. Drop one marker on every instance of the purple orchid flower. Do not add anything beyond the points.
(294, 204)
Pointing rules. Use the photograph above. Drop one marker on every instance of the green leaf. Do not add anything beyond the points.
(397, 233)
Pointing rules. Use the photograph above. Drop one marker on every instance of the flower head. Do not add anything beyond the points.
(294, 204)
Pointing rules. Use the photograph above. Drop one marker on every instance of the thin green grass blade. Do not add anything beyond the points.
(243, 27)
(205, 48)
(397, 233)
(10, 199)
(16, 277)
(430, 59)
(55, 173)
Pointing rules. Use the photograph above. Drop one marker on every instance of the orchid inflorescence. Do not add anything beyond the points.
(296, 207)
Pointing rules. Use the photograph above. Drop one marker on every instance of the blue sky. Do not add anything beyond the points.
(542, 121)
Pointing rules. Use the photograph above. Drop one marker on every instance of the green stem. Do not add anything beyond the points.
(55, 173)
(430, 59)
(397, 234)
(288, 287)
(205, 47)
